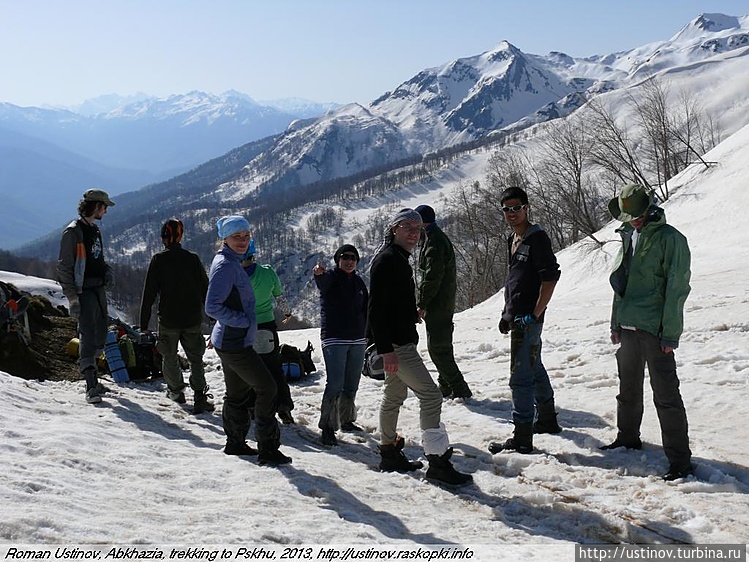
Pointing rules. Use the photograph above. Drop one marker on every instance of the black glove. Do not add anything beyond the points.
(504, 326)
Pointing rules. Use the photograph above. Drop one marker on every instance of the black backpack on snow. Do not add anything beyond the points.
(295, 362)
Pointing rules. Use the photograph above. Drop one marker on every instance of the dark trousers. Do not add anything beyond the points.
(637, 349)
(245, 372)
(273, 363)
(92, 331)
(440, 346)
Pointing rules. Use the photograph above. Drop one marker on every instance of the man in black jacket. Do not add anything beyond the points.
(533, 274)
(178, 278)
(392, 318)
(436, 302)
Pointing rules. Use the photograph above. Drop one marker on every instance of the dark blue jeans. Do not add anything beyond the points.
(343, 367)
(529, 380)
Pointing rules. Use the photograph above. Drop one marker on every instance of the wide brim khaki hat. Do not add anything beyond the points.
(99, 196)
(631, 203)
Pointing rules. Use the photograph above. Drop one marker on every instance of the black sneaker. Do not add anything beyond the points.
(273, 458)
(676, 472)
(93, 396)
(329, 438)
(240, 449)
(637, 445)
(510, 445)
(350, 427)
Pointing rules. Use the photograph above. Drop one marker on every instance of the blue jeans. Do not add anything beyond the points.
(529, 380)
(343, 366)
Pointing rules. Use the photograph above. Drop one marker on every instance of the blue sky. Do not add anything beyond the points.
(62, 52)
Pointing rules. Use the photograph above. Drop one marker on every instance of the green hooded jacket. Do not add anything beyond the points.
(651, 286)
(436, 292)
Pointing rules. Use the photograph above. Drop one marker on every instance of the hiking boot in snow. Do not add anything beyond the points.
(176, 396)
(547, 419)
(676, 471)
(393, 459)
(350, 427)
(286, 418)
(273, 457)
(621, 443)
(240, 449)
(329, 438)
(441, 470)
(446, 391)
(521, 441)
(203, 401)
(463, 392)
(93, 396)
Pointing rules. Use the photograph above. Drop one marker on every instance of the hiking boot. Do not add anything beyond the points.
(446, 391)
(240, 449)
(547, 419)
(176, 396)
(286, 418)
(620, 443)
(463, 392)
(203, 401)
(101, 389)
(329, 438)
(273, 457)
(394, 460)
(93, 396)
(350, 427)
(441, 470)
(676, 471)
(521, 441)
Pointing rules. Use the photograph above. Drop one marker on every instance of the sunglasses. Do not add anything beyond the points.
(348, 257)
(513, 209)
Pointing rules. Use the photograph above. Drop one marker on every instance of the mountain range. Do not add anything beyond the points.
(51, 155)
(453, 109)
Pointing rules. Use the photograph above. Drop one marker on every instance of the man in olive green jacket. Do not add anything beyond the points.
(651, 283)
(436, 304)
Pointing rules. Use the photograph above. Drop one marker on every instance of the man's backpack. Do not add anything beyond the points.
(140, 355)
(295, 362)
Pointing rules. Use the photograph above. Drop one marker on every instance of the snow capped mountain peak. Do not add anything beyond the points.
(708, 23)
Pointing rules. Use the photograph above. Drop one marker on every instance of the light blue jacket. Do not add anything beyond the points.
(231, 302)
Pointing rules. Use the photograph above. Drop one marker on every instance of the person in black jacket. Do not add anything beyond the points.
(392, 318)
(177, 277)
(343, 321)
(533, 274)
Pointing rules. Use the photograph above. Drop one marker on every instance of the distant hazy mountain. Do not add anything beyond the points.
(120, 144)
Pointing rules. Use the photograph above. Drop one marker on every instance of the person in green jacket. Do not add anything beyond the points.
(651, 283)
(436, 304)
(267, 288)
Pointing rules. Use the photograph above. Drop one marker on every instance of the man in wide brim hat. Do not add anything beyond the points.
(633, 201)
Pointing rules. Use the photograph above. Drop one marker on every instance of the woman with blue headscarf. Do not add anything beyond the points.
(231, 302)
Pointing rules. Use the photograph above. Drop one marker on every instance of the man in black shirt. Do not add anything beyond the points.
(392, 318)
(533, 274)
(179, 280)
(84, 277)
